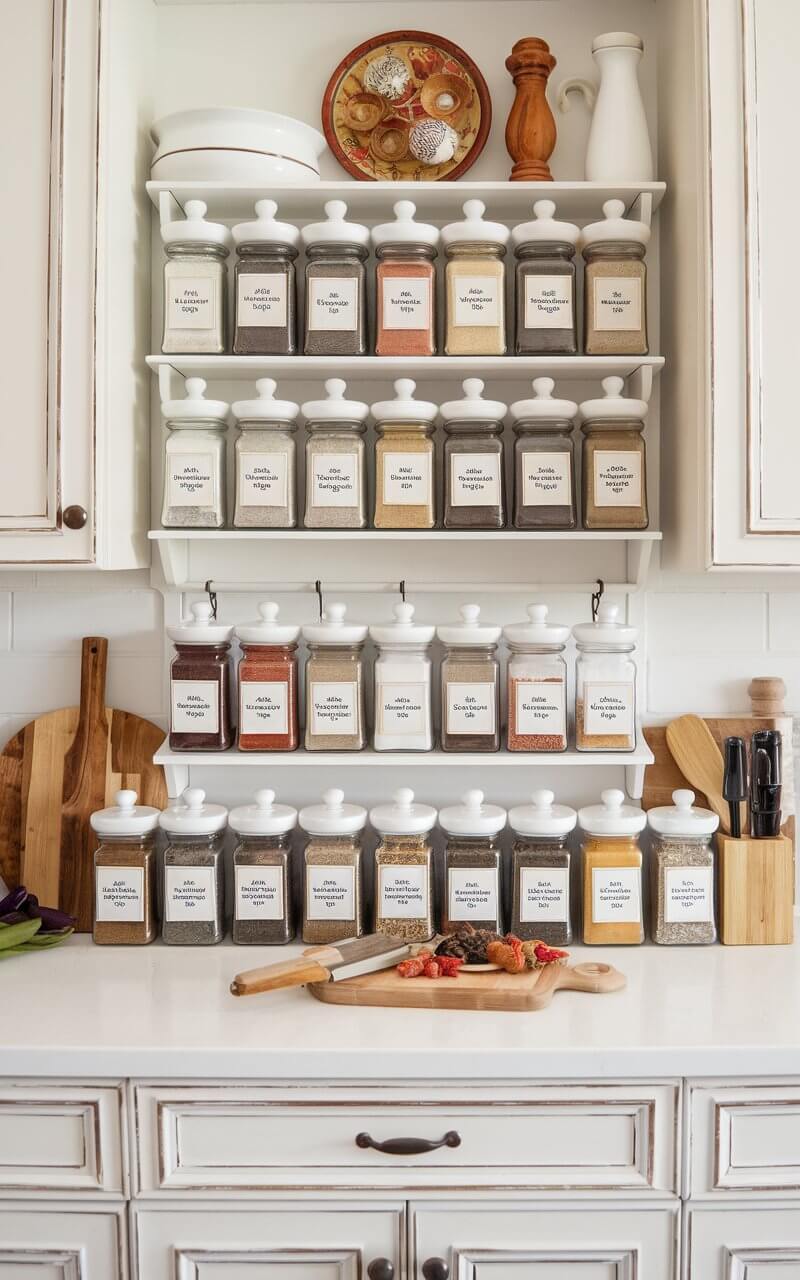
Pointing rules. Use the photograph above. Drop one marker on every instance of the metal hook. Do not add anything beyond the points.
(597, 596)
(318, 589)
(403, 590)
(212, 598)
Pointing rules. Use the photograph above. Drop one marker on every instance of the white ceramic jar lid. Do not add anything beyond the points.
(403, 631)
(194, 405)
(617, 40)
(545, 227)
(334, 408)
(335, 230)
(404, 229)
(332, 629)
(469, 631)
(542, 817)
(195, 228)
(265, 230)
(475, 229)
(681, 818)
(126, 817)
(615, 227)
(264, 817)
(268, 630)
(473, 407)
(191, 816)
(201, 627)
(333, 817)
(472, 817)
(612, 405)
(606, 629)
(537, 630)
(402, 817)
(404, 408)
(544, 404)
(266, 407)
(613, 817)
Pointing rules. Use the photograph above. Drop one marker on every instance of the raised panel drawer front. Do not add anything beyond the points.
(742, 1242)
(614, 1137)
(745, 1138)
(50, 1241)
(60, 1138)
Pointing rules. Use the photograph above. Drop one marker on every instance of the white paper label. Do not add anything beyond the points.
(264, 706)
(261, 301)
(618, 303)
(259, 893)
(400, 708)
(617, 478)
(119, 894)
(333, 707)
(475, 479)
(332, 303)
(548, 302)
(334, 480)
(403, 892)
(190, 480)
(190, 893)
(263, 479)
(330, 893)
(407, 479)
(478, 301)
(406, 303)
(541, 707)
(471, 707)
(616, 895)
(688, 894)
(546, 480)
(544, 893)
(191, 303)
(472, 893)
(195, 706)
(608, 708)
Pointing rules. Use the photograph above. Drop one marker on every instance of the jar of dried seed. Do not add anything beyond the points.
(265, 289)
(404, 460)
(405, 284)
(615, 284)
(404, 867)
(682, 864)
(614, 460)
(403, 713)
(537, 683)
(545, 284)
(472, 860)
(470, 677)
(333, 907)
(336, 285)
(194, 466)
(336, 472)
(612, 870)
(544, 460)
(265, 461)
(474, 470)
(262, 884)
(605, 683)
(195, 284)
(125, 871)
(194, 875)
(335, 703)
(200, 683)
(540, 869)
(268, 718)
(475, 284)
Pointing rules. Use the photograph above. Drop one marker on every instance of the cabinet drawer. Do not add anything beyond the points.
(619, 1137)
(744, 1138)
(61, 1138)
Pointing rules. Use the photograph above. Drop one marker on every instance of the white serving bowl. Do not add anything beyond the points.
(235, 144)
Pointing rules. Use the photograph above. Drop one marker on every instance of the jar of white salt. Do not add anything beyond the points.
(336, 472)
(265, 452)
(403, 713)
(194, 467)
(195, 283)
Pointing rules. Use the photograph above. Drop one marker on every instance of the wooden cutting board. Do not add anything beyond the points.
(57, 771)
(498, 991)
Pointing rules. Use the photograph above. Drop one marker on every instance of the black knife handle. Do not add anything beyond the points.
(408, 1146)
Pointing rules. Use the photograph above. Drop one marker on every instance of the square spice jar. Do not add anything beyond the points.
(405, 284)
(333, 880)
(263, 912)
(194, 879)
(537, 683)
(472, 864)
(540, 870)
(404, 867)
(267, 675)
(683, 868)
(125, 871)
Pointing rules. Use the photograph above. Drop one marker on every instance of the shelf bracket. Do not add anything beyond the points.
(634, 780)
(640, 383)
(638, 553)
(641, 209)
(174, 556)
(177, 779)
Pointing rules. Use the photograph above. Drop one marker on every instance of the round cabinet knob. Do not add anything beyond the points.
(435, 1269)
(74, 517)
(381, 1269)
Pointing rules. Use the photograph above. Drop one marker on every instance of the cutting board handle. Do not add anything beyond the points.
(94, 665)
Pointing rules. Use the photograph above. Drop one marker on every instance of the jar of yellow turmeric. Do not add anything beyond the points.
(612, 871)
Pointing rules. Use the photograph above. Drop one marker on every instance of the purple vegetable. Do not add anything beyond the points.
(14, 900)
(14, 917)
(53, 921)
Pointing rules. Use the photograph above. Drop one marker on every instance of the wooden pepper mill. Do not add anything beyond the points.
(531, 129)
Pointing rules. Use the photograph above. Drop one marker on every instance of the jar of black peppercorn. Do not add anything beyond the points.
(265, 303)
(472, 890)
(200, 683)
(194, 879)
(544, 460)
(546, 310)
(474, 472)
(540, 869)
(470, 679)
(336, 285)
(262, 905)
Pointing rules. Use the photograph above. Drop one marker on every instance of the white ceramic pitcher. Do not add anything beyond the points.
(618, 149)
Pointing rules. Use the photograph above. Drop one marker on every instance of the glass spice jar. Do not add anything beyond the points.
(404, 460)
(614, 460)
(268, 718)
(615, 284)
(265, 289)
(540, 870)
(544, 460)
(265, 461)
(336, 285)
(475, 284)
(336, 472)
(547, 320)
(470, 678)
(474, 470)
(200, 683)
(404, 868)
(333, 896)
(472, 860)
(263, 912)
(125, 872)
(683, 872)
(537, 683)
(193, 890)
(195, 284)
(605, 683)
(403, 714)
(612, 871)
(335, 702)
(405, 284)
(194, 460)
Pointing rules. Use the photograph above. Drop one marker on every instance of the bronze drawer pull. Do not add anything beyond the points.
(408, 1146)
(435, 1269)
(380, 1269)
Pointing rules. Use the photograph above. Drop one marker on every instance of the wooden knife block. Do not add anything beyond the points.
(756, 884)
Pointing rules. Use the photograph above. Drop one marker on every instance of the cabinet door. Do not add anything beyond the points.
(60, 1242)
(742, 1243)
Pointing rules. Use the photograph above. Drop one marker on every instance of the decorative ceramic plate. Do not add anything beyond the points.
(406, 106)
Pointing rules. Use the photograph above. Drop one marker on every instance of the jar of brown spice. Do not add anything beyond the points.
(405, 284)
(474, 468)
(545, 284)
(262, 904)
(470, 679)
(335, 694)
(614, 460)
(472, 861)
(615, 284)
(404, 460)
(125, 871)
(537, 683)
(268, 719)
(404, 867)
(544, 460)
(200, 683)
(333, 892)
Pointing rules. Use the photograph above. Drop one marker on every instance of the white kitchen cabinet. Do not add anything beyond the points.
(42, 1241)
(62, 1138)
(742, 1242)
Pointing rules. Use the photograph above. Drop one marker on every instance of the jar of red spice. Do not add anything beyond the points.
(200, 683)
(537, 683)
(405, 284)
(268, 683)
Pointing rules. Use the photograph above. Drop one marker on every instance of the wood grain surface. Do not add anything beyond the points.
(756, 892)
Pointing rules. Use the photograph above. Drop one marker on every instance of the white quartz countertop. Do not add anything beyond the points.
(160, 1011)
